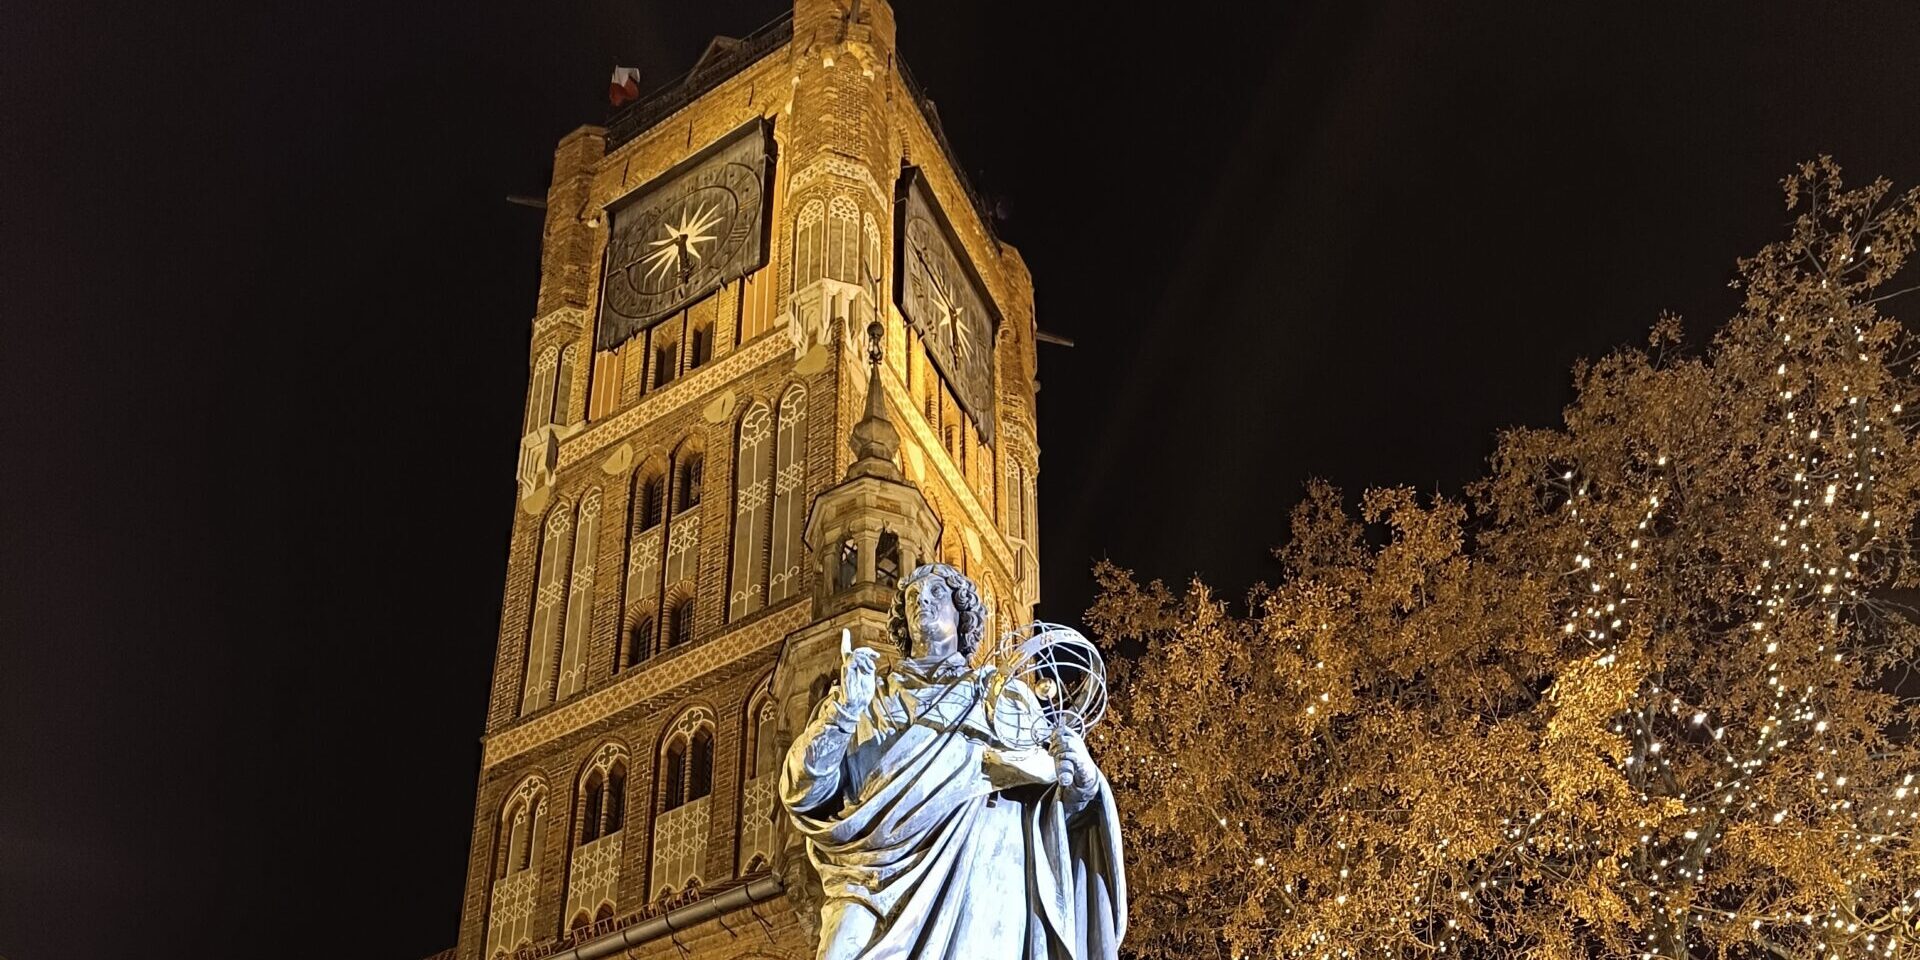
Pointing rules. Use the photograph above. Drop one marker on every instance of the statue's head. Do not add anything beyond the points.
(936, 613)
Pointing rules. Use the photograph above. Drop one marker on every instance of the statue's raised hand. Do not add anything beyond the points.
(857, 670)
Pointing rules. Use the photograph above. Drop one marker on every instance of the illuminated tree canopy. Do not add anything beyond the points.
(1643, 691)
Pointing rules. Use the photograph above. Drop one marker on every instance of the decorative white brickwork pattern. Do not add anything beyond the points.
(586, 553)
(657, 678)
(756, 822)
(752, 466)
(683, 547)
(680, 847)
(594, 877)
(838, 166)
(510, 910)
(685, 390)
(789, 498)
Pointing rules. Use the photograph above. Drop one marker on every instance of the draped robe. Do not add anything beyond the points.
(963, 845)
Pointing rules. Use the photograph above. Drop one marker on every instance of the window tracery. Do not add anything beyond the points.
(789, 496)
(751, 494)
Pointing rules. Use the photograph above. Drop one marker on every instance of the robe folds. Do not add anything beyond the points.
(962, 844)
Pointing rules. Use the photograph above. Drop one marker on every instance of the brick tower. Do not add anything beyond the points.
(778, 357)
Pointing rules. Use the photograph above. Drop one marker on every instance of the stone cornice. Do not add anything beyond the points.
(665, 674)
(840, 166)
(559, 317)
(685, 390)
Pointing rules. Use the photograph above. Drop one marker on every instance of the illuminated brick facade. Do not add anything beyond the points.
(660, 567)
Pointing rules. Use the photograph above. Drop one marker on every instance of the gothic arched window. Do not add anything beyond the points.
(843, 240)
(649, 500)
(686, 759)
(518, 846)
(522, 818)
(789, 496)
(750, 495)
(699, 345)
(666, 358)
(645, 539)
(683, 533)
(540, 391)
(603, 794)
(673, 781)
(549, 609)
(563, 383)
(593, 868)
(640, 641)
(590, 817)
(758, 811)
(876, 259)
(687, 496)
(809, 243)
(680, 623)
(685, 775)
(700, 764)
(616, 798)
(579, 622)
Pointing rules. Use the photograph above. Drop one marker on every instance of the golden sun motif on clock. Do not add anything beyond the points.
(678, 252)
(681, 237)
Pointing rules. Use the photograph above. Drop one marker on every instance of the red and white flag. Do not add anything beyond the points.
(624, 86)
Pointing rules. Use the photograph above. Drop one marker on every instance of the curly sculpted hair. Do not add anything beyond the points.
(966, 602)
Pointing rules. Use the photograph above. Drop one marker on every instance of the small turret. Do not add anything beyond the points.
(875, 525)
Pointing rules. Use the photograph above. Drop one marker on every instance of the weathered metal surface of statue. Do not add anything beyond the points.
(938, 831)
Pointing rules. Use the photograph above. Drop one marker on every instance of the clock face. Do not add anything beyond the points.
(942, 297)
(694, 228)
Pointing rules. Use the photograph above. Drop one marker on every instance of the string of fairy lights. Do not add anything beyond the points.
(1828, 529)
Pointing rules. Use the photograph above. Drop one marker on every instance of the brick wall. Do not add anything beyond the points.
(858, 115)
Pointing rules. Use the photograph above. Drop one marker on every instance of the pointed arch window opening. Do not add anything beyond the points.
(674, 784)
(563, 384)
(700, 765)
(640, 642)
(545, 625)
(649, 502)
(692, 469)
(571, 660)
(616, 804)
(753, 483)
(886, 559)
(699, 346)
(765, 755)
(540, 389)
(686, 771)
(680, 624)
(666, 361)
(785, 560)
(591, 816)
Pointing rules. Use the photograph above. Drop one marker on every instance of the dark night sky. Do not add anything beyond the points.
(265, 313)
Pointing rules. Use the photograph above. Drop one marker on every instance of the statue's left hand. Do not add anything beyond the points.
(1077, 772)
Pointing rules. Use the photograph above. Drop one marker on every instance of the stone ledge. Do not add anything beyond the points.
(662, 400)
(670, 671)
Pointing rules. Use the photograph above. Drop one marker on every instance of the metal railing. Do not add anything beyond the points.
(601, 928)
(932, 113)
(635, 118)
